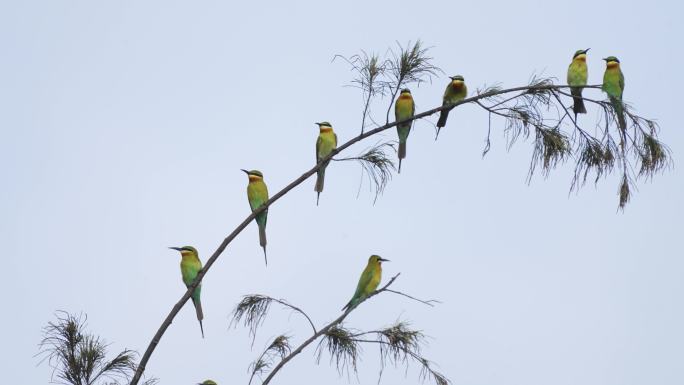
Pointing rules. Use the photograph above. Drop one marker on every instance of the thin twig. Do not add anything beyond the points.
(295, 308)
(279, 347)
(429, 302)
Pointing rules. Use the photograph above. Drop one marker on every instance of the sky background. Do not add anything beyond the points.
(124, 125)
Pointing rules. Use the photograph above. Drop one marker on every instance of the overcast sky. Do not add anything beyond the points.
(124, 125)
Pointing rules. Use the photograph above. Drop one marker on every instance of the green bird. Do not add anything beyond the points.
(404, 109)
(325, 144)
(614, 85)
(257, 195)
(208, 382)
(190, 266)
(455, 92)
(577, 78)
(369, 281)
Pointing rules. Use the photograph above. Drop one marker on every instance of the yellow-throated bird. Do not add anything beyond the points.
(190, 265)
(614, 85)
(325, 144)
(369, 281)
(455, 92)
(208, 382)
(404, 108)
(257, 195)
(577, 78)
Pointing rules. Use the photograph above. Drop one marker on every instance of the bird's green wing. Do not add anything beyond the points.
(364, 281)
(318, 148)
(254, 201)
(573, 76)
(622, 81)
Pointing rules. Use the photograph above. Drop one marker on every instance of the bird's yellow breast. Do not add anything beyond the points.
(581, 57)
(375, 279)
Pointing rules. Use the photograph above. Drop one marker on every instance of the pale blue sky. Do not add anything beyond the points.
(125, 124)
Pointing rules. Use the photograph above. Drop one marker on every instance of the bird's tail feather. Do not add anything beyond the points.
(262, 236)
(262, 240)
(402, 150)
(200, 314)
(442, 119)
(351, 304)
(620, 113)
(320, 179)
(621, 121)
(577, 101)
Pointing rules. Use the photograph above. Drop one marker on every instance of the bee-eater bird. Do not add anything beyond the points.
(455, 92)
(191, 265)
(614, 85)
(577, 78)
(257, 195)
(404, 109)
(369, 281)
(208, 382)
(326, 143)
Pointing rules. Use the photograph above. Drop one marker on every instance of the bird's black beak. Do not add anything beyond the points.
(318, 124)
(384, 260)
(605, 58)
(176, 248)
(587, 50)
(245, 171)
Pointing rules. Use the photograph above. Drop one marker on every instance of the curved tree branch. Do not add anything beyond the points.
(526, 90)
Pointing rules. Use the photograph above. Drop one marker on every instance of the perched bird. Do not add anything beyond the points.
(455, 91)
(404, 109)
(257, 195)
(369, 281)
(191, 265)
(208, 382)
(326, 143)
(577, 78)
(614, 85)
